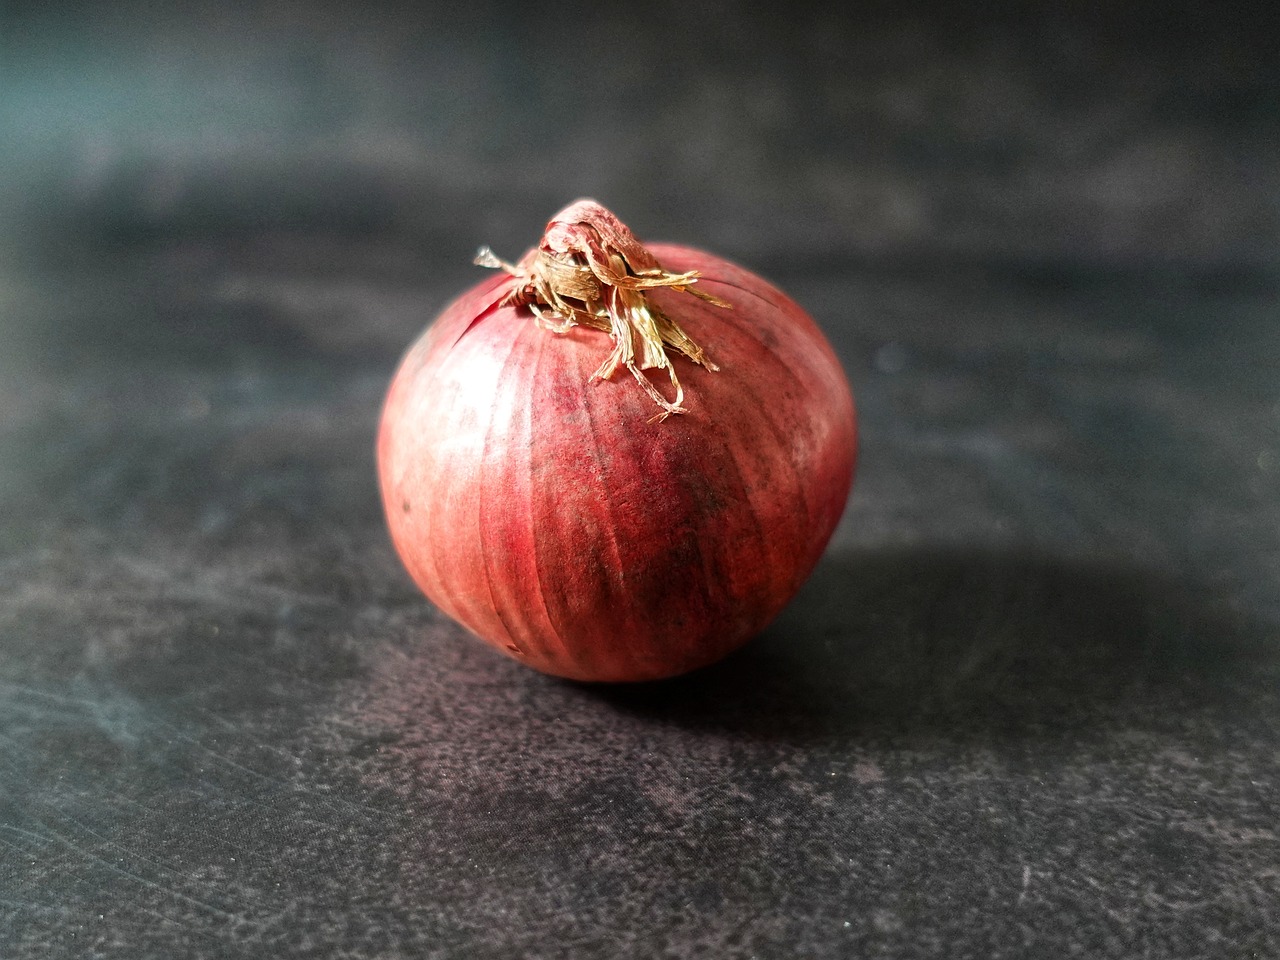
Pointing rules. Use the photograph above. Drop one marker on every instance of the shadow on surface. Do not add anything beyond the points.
(966, 643)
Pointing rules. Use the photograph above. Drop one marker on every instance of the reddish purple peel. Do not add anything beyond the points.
(552, 519)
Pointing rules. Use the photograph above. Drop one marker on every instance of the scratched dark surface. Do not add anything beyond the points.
(1028, 706)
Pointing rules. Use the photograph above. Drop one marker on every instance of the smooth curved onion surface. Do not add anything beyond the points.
(563, 523)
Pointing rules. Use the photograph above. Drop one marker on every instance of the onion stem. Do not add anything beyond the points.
(590, 270)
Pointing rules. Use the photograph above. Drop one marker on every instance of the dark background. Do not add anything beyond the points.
(1028, 704)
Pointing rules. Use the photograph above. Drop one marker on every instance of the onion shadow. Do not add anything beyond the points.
(967, 644)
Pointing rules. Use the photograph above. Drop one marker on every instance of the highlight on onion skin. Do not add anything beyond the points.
(559, 520)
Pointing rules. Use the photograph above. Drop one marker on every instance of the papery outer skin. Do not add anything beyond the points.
(547, 515)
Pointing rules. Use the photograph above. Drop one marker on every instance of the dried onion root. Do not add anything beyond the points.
(590, 270)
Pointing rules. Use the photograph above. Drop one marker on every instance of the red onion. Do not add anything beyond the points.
(555, 506)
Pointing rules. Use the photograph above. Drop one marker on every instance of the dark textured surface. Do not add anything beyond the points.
(1028, 704)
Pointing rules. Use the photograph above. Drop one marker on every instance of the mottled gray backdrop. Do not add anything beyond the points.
(1028, 704)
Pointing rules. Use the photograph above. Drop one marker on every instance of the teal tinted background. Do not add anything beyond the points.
(1027, 705)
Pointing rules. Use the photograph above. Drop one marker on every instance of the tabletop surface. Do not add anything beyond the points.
(1026, 706)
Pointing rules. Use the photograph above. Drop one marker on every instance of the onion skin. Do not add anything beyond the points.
(552, 517)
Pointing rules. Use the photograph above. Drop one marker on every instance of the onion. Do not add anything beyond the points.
(604, 526)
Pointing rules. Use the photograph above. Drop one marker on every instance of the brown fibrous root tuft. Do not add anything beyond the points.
(590, 270)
